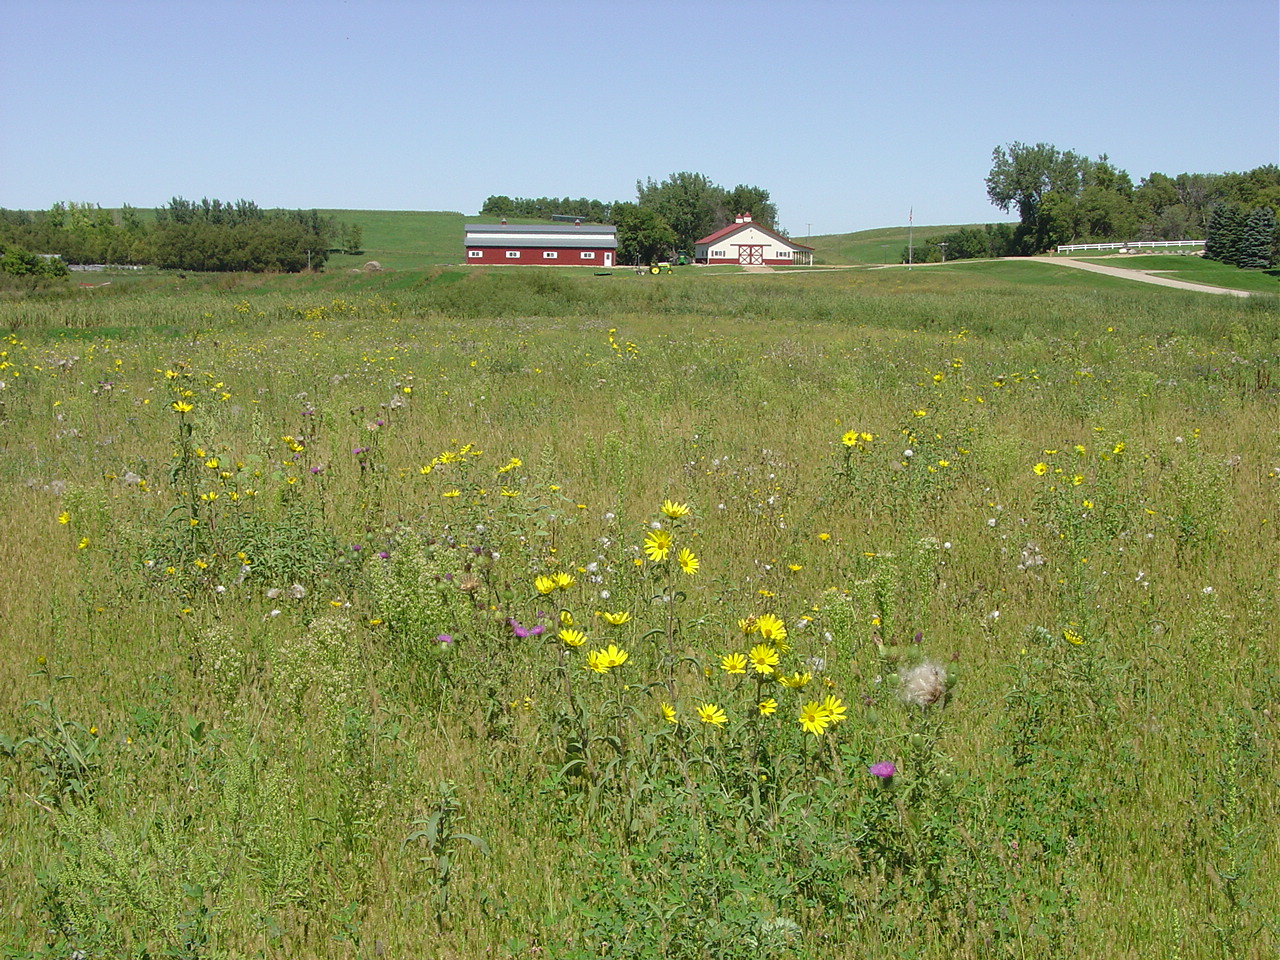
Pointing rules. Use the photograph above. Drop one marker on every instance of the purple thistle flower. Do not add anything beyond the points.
(884, 770)
(444, 638)
(356, 548)
(383, 555)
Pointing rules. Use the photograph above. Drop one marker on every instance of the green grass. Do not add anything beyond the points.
(922, 297)
(410, 240)
(882, 245)
(242, 737)
(402, 239)
(1197, 270)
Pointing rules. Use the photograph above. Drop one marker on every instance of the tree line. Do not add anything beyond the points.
(667, 217)
(544, 208)
(1064, 197)
(183, 234)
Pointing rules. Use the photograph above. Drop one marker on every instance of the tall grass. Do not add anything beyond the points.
(271, 696)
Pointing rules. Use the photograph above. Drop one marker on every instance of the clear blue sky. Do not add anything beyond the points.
(849, 113)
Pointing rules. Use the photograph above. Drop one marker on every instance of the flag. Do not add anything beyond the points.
(911, 213)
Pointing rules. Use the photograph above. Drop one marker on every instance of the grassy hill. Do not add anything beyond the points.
(408, 239)
(881, 245)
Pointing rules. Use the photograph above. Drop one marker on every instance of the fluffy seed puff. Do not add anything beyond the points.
(924, 685)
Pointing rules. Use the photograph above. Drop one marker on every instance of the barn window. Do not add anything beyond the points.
(475, 254)
(513, 254)
(588, 254)
(549, 255)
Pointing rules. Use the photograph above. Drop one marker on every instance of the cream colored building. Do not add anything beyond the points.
(750, 244)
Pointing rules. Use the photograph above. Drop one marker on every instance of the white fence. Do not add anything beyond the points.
(1131, 245)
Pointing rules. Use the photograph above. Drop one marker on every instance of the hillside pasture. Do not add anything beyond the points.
(453, 613)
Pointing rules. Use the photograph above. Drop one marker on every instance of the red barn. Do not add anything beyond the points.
(552, 244)
(750, 244)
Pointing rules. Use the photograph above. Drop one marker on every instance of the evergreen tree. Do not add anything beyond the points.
(1223, 238)
(1256, 239)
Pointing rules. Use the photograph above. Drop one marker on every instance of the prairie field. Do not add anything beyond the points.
(461, 613)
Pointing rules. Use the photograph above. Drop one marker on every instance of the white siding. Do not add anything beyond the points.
(728, 246)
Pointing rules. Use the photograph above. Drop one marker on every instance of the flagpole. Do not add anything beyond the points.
(911, 234)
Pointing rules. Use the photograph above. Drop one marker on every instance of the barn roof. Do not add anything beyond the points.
(743, 225)
(541, 235)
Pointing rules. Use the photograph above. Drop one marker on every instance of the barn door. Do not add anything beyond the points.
(751, 254)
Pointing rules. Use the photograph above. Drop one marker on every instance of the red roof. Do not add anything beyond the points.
(735, 227)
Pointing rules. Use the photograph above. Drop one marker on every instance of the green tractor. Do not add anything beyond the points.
(664, 266)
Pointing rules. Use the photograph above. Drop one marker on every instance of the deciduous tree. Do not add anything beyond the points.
(1022, 175)
(689, 202)
(643, 235)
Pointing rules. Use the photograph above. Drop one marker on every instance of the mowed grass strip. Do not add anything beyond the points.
(1197, 270)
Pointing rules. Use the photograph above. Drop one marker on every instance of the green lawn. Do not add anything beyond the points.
(1197, 270)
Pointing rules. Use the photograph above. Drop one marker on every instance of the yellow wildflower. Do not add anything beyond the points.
(835, 710)
(764, 658)
(795, 681)
(814, 719)
(572, 637)
(688, 562)
(771, 627)
(657, 544)
(710, 713)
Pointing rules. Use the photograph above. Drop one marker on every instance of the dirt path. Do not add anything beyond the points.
(1142, 276)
